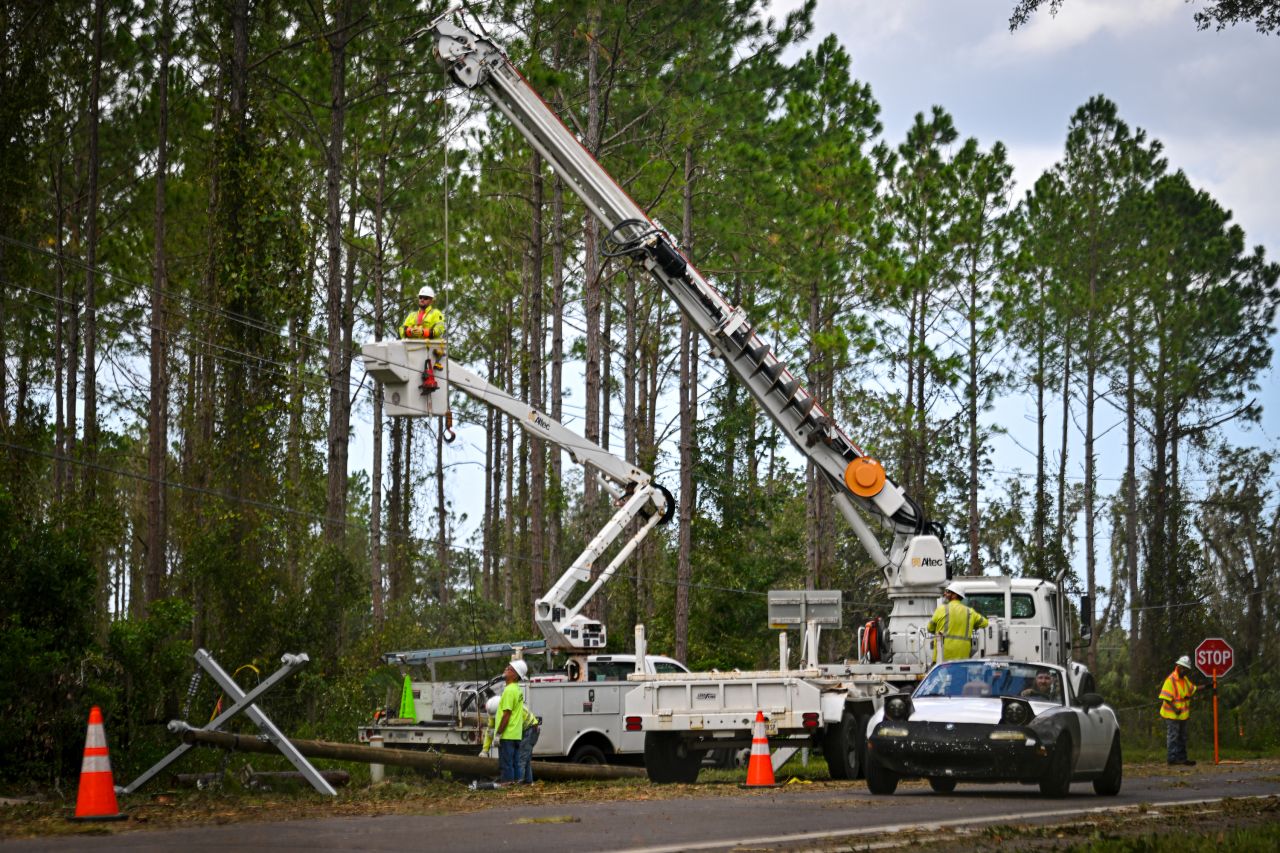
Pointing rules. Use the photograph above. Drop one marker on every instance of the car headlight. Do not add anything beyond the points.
(1016, 712)
(897, 707)
(892, 731)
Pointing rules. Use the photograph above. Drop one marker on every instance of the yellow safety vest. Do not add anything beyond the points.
(423, 323)
(1175, 697)
(956, 622)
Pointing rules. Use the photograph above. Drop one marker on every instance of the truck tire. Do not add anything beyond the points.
(845, 745)
(668, 759)
(587, 753)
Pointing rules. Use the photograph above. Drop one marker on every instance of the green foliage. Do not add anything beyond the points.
(47, 617)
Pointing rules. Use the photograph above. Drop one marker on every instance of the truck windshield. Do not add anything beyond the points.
(993, 678)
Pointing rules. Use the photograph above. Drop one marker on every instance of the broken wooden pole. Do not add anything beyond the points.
(468, 764)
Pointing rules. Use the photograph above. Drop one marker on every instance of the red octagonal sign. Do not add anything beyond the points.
(1215, 657)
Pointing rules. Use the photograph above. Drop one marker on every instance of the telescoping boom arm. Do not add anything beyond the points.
(859, 482)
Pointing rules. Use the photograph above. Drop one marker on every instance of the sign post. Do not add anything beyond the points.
(1214, 657)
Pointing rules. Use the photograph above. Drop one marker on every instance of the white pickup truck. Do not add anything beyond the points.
(581, 720)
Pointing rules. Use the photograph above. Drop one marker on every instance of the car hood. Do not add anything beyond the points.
(962, 709)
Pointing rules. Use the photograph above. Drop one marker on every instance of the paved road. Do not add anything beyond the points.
(776, 818)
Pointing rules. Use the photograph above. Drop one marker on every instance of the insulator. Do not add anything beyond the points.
(773, 371)
(789, 388)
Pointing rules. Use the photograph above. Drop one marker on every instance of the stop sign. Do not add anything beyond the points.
(1215, 657)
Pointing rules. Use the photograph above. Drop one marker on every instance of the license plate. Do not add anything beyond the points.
(770, 727)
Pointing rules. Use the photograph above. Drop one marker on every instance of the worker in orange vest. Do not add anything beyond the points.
(1175, 707)
(426, 323)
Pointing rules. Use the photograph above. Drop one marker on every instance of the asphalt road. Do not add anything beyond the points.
(795, 815)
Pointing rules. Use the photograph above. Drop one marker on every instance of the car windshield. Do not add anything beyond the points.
(993, 678)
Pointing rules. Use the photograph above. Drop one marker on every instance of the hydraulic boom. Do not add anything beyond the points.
(634, 494)
(859, 482)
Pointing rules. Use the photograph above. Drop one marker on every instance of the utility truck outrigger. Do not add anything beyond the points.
(827, 705)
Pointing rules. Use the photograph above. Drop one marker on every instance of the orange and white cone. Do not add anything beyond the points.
(760, 768)
(97, 797)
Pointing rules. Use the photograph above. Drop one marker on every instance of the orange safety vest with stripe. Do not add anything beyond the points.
(1175, 697)
(956, 622)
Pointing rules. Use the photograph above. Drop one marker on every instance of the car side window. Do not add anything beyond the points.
(663, 667)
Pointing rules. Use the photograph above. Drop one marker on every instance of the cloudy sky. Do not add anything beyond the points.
(1210, 97)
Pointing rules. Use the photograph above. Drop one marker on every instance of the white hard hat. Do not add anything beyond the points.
(954, 588)
(521, 668)
(491, 707)
(427, 292)
(1184, 662)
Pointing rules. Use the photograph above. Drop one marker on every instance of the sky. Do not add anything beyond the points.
(1210, 97)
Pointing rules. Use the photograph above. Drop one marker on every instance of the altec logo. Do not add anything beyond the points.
(539, 421)
(927, 561)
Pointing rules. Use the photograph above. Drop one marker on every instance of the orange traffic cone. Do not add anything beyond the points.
(97, 797)
(760, 768)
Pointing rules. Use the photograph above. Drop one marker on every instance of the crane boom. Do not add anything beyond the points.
(860, 485)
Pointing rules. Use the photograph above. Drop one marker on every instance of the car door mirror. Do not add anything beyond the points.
(1089, 701)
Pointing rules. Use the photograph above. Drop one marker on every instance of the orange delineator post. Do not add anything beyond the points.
(1215, 718)
(96, 799)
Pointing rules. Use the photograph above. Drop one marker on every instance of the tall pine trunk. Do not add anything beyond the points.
(158, 406)
(688, 417)
(339, 364)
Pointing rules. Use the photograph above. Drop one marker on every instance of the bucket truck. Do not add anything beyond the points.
(824, 705)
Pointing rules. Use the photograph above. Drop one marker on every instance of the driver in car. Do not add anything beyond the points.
(1045, 687)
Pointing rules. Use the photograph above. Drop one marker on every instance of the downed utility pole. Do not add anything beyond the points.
(403, 757)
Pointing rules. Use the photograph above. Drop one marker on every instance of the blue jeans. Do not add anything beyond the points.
(1176, 740)
(524, 770)
(508, 760)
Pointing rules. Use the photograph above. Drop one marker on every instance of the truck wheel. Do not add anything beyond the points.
(668, 759)
(586, 753)
(880, 779)
(845, 745)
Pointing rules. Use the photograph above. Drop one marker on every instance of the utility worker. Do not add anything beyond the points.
(426, 323)
(510, 728)
(954, 623)
(528, 740)
(491, 709)
(1175, 707)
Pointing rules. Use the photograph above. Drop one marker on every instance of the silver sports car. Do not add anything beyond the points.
(996, 720)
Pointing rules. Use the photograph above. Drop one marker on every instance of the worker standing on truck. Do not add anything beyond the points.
(426, 323)
(1175, 707)
(954, 623)
(510, 727)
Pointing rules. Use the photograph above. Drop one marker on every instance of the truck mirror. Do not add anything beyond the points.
(1086, 619)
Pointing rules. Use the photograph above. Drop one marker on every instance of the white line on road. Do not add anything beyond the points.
(917, 827)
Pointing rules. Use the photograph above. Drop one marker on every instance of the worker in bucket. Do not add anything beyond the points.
(426, 323)
(510, 728)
